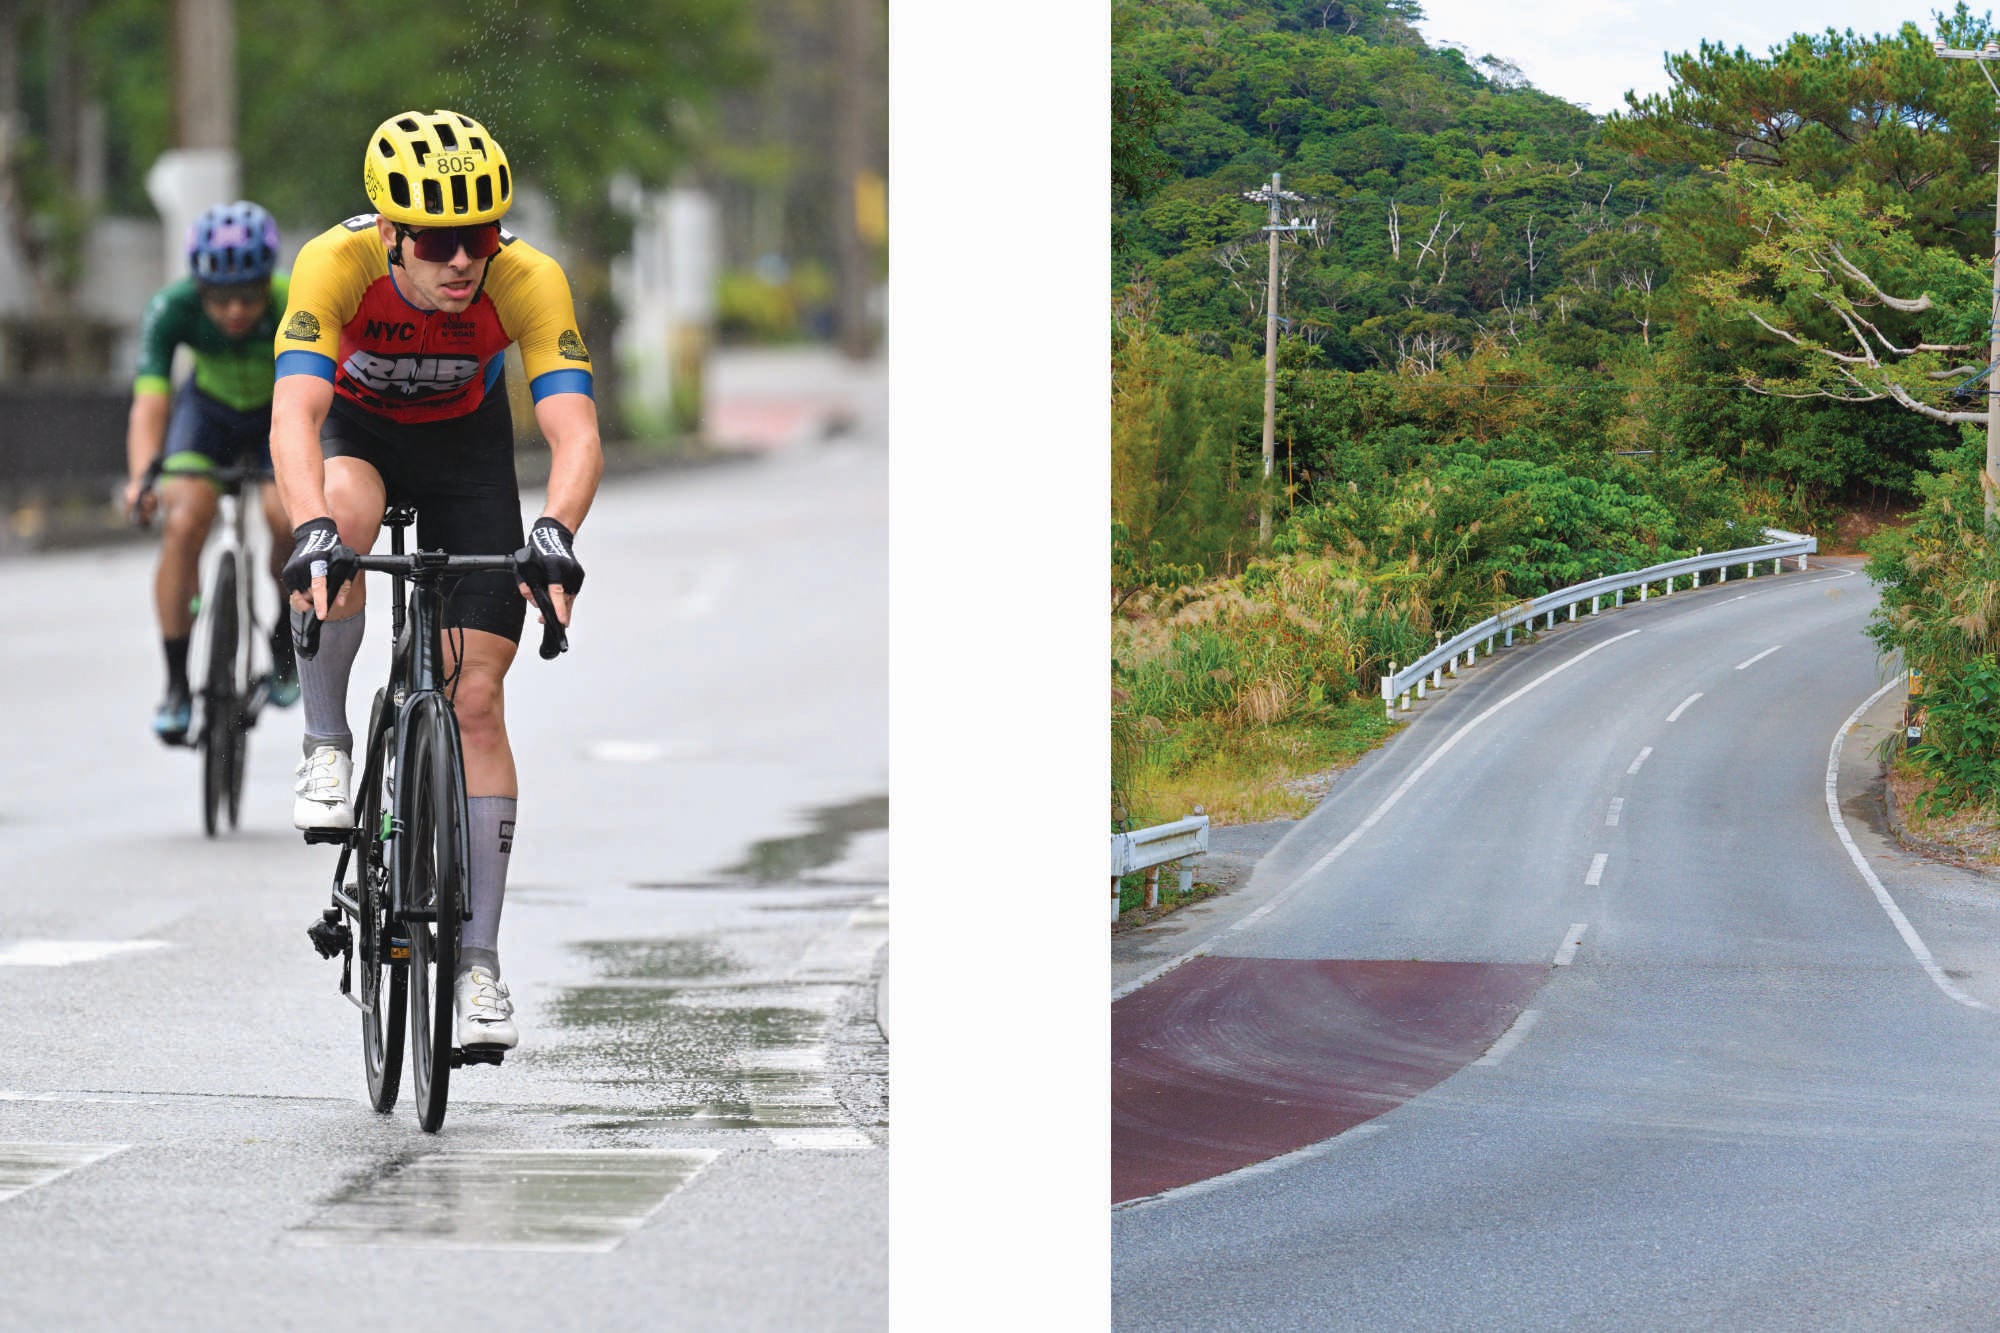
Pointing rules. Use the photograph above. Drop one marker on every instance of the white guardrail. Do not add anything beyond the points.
(1150, 848)
(1428, 672)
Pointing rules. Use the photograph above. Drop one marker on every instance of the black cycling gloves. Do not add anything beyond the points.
(319, 554)
(550, 557)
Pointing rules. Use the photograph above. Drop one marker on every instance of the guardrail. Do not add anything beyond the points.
(1428, 672)
(1150, 848)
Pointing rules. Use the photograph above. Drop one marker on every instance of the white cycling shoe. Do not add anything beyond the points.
(485, 1013)
(323, 789)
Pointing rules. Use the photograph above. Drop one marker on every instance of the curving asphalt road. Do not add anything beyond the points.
(1572, 1009)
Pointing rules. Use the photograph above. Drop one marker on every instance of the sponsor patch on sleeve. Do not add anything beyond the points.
(570, 347)
(303, 326)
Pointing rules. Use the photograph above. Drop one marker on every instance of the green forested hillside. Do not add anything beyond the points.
(1522, 345)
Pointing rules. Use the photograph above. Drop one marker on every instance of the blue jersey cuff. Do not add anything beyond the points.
(558, 381)
(304, 363)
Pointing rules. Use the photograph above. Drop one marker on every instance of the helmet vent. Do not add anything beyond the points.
(477, 145)
(422, 150)
(385, 148)
(483, 192)
(433, 198)
(447, 136)
(506, 187)
(458, 195)
(408, 124)
(399, 189)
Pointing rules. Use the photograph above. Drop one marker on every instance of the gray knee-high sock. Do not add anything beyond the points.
(323, 682)
(491, 838)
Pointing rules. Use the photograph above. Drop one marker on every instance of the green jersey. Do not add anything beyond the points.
(234, 371)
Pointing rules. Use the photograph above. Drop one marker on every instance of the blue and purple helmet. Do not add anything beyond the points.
(233, 243)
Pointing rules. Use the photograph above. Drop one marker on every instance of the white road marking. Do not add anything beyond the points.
(1596, 875)
(26, 1165)
(1896, 917)
(1611, 815)
(1686, 704)
(1739, 596)
(642, 752)
(508, 1199)
(819, 1139)
(65, 953)
(1374, 817)
(1567, 953)
(1758, 658)
(1264, 1168)
(1511, 1038)
(1640, 760)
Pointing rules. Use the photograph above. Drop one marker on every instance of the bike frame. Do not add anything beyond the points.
(416, 664)
(230, 535)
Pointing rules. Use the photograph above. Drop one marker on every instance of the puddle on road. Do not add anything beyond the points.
(705, 1052)
(784, 860)
(499, 1200)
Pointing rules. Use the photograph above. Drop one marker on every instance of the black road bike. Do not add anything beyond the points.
(395, 924)
(231, 661)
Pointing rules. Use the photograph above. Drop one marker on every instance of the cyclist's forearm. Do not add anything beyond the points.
(298, 407)
(145, 432)
(576, 456)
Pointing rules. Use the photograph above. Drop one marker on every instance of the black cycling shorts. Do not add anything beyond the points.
(459, 474)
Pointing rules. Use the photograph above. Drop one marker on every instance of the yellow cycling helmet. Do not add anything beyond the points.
(436, 168)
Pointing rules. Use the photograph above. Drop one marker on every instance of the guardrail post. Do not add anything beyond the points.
(1593, 605)
(1152, 886)
(1572, 612)
(1187, 882)
(1644, 588)
(1618, 598)
(1802, 563)
(1724, 572)
(1114, 897)
(1510, 636)
(1552, 619)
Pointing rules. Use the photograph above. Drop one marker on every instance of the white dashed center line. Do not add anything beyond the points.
(1686, 704)
(1640, 760)
(1758, 658)
(1596, 874)
(1611, 815)
(1567, 953)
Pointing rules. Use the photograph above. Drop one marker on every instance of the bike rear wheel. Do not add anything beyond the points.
(381, 944)
(221, 757)
(431, 858)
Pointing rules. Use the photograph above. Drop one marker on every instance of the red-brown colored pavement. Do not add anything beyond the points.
(1226, 1062)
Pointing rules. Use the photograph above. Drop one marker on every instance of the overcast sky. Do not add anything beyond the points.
(1590, 51)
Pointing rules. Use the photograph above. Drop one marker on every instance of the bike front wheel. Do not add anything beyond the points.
(431, 859)
(381, 943)
(221, 753)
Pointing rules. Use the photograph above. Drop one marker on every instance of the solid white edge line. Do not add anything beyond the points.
(1596, 875)
(1686, 704)
(1896, 917)
(1374, 818)
(1566, 954)
(1511, 1038)
(1640, 760)
(1759, 657)
(1263, 1168)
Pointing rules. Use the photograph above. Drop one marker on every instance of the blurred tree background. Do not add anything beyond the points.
(770, 105)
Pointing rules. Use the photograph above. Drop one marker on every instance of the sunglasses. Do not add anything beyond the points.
(440, 245)
(223, 297)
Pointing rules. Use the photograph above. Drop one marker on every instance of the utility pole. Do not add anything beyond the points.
(1990, 482)
(1275, 197)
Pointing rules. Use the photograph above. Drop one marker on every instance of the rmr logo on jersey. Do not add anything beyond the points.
(411, 377)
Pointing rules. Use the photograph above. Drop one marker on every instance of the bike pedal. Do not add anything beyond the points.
(330, 935)
(318, 835)
(478, 1055)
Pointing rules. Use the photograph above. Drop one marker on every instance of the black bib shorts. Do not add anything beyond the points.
(459, 474)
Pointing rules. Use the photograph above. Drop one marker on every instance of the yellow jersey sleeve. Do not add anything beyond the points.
(333, 273)
(531, 296)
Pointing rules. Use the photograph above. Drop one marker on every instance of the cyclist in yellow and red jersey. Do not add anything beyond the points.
(389, 390)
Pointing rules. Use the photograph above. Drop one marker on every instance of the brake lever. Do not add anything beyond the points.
(305, 634)
(555, 638)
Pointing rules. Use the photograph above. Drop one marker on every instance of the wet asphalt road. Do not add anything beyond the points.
(1740, 1101)
(694, 1132)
